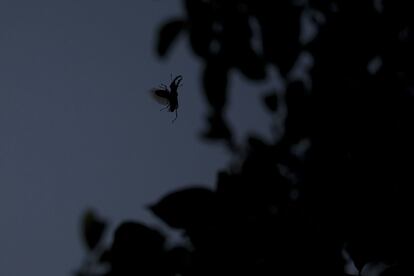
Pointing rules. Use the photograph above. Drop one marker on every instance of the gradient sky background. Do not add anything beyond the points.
(78, 128)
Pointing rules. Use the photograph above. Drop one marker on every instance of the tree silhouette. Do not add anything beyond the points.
(336, 183)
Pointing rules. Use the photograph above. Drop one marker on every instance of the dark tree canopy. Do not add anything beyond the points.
(336, 183)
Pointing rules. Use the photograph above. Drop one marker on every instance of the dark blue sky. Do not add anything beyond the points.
(78, 128)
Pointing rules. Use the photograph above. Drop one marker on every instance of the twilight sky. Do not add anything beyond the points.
(78, 128)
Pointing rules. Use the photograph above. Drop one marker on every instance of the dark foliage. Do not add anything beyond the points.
(337, 180)
(93, 229)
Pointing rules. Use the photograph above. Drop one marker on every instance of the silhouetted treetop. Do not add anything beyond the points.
(334, 186)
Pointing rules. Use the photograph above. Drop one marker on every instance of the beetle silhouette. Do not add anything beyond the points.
(168, 96)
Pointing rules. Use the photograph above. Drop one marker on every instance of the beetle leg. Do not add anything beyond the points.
(165, 107)
(176, 115)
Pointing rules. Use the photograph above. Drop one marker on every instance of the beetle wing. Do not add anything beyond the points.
(161, 96)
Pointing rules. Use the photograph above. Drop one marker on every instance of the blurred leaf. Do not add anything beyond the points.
(93, 229)
(298, 111)
(136, 236)
(137, 249)
(200, 39)
(256, 144)
(215, 89)
(167, 35)
(179, 260)
(201, 17)
(270, 100)
(215, 83)
(280, 28)
(105, 257)
(251, 65)
(218, 129)
(186, 208)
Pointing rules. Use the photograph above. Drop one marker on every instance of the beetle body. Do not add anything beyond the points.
(168, 96)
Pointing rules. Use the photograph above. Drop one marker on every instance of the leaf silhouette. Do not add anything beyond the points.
(215, 83)
(251, 65)
(168, 34)
(270, 101)
(137, 249)
(186, 208)
(93, 229)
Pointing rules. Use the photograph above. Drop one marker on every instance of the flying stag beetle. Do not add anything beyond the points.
(168, 96)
